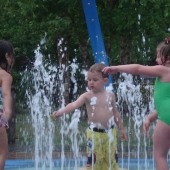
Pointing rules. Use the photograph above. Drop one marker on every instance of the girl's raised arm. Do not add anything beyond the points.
(137, 69)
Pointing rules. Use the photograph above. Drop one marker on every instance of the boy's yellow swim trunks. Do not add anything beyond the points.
(102, 149)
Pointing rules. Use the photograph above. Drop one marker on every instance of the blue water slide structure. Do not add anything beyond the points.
(95, 34)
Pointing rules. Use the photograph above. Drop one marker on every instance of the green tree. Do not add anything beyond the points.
(132, 29)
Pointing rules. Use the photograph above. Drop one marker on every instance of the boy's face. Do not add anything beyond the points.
(96, 81)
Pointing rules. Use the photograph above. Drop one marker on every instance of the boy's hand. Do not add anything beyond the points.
(52, 117)
(123, 135)
(146, 125)
(55, 115)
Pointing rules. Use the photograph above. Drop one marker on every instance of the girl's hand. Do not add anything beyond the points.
(146, 126)
(109, 70)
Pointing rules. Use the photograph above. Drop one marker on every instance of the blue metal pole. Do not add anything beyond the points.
(95, 34)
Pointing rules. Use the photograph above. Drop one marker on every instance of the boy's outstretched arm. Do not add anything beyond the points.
(151, 118)
(71, 106)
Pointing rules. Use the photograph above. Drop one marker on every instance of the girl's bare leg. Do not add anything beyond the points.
(3, 147)
(161, 141)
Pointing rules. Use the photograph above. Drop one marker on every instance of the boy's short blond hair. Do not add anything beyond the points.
(98, 67)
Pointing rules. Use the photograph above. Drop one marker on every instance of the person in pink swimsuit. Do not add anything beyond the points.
(6, 64)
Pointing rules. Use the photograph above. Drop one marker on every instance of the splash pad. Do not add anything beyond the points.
(67, 129)
(43, 79)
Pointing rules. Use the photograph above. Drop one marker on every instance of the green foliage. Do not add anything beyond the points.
(143, 23)
(26, 22)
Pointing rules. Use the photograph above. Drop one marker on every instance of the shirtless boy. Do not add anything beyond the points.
(102, 116)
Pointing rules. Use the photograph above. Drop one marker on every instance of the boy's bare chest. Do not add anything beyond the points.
(100, 102)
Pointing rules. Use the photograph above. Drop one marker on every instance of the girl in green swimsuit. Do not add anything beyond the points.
(161, 99)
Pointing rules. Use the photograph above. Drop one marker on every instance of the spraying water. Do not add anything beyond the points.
(41, 81)
(39, 99)
(135, 110)
(39, 94)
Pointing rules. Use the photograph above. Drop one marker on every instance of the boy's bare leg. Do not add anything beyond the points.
(161, 141)
(3, 147)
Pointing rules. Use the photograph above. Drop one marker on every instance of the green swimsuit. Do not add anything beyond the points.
(162, 100)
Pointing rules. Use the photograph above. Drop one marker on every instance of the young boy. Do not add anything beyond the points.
(102, 114)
